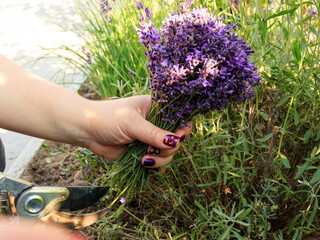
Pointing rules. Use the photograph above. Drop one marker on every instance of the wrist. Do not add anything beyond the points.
(84, 124)
(72, 121)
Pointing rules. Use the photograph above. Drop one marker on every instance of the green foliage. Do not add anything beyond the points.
(251, 172)
(112, 56)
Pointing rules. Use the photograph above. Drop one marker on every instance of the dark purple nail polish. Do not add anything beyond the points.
(182, 138)
(153, 150)
(171, 140)
(148, 162)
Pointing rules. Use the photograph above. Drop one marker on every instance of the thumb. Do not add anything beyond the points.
(148, 133)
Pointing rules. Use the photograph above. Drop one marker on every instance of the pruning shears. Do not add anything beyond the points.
(48, 203)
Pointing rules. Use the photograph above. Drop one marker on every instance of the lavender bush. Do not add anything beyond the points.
(197, 64)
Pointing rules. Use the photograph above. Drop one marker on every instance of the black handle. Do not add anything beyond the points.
(2, 157)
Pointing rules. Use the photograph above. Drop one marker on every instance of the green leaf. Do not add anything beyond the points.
(245, 144)
(264, 116)
(238, 237)
(281, 13)
(296, 50)
(246, 147)
(306, 19)
(285, 161)
(313, 213)
(119, 211)
(283, 100)
(288, 74)
(314, 152)
(296, 117)
(298, 4)
(318, 151)
(282, 177)
(243, 213)
(307, 136)
(205, 184)
(316, 176)
(314, 31)
(226, 234)
(301, 170)
(179, 236)
(318, 136)
(266, 138)
(222, 136)
(234, 174)
(199, 205)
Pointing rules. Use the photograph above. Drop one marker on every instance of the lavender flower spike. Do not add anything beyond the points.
(106, 8)
(197, 64)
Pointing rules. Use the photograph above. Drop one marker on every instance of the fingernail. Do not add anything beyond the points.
(171, 140)
(149, 162)
(182, 138)
(153, 150)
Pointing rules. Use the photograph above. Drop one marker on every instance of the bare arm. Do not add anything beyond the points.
(34, 106)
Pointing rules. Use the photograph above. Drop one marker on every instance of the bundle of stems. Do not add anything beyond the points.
(128, 172)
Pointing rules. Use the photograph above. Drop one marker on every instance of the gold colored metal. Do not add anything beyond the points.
(5, 209)
(74, 221)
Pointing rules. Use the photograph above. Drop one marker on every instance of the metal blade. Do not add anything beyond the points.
(82, 197)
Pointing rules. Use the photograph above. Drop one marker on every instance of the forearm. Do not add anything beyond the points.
(37, 107)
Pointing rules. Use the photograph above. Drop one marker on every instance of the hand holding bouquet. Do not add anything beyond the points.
(197, 64)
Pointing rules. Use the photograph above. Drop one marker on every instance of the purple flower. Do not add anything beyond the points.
(197, 64)
(235, 3)
(139, 5)
(88, 55)
(122, 200)
(105, 8)
(185, 6)
(313, 11)
(146, 12)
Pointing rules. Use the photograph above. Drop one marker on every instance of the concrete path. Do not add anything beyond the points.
(26, 28)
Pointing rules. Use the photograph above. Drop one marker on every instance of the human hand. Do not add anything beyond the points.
(42, 109)
(116, 123)
(29, 230)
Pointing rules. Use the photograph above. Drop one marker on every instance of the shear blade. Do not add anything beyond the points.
(82, 197)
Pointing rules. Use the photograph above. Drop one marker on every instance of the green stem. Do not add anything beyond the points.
(287, 116)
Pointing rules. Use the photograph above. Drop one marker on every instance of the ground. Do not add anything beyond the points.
(51, 166)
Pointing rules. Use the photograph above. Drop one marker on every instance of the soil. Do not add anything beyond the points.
(54, 165)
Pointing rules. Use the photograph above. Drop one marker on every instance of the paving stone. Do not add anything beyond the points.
(26, 28)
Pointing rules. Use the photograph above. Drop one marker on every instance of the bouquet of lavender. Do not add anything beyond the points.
(197, 64)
